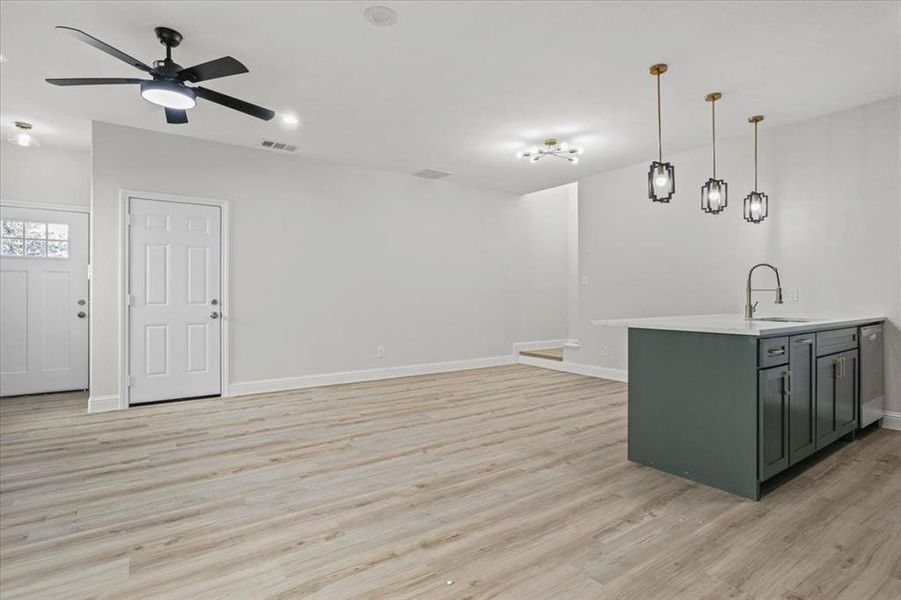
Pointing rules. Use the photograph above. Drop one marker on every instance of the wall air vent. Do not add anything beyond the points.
(270, 145)
(431, 174)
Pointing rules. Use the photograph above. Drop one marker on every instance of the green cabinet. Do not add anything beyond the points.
(836, 396)
(802, 436)
(773, 394)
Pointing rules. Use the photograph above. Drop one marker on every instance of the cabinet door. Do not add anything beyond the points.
(773, 406)
(801, 398)
(846, 394)
(836, 393)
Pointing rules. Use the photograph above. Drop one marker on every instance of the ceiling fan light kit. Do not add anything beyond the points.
(168, 84)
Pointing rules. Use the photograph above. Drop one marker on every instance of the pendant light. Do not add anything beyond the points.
(662, 176)
(756, 206)
(714, 195)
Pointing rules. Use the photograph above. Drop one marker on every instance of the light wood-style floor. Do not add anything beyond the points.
(509, 482)
(546, 353)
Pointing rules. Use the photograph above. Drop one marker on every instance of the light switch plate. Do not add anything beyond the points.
(793, 295)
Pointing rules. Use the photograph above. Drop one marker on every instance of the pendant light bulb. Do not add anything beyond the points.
(715, 192)
(756, 204)
(661, 175)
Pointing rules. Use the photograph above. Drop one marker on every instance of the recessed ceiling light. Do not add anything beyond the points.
(380, 15)
(290, 119)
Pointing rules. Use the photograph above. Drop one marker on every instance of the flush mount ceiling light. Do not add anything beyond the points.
(380, 15)
(552, 148)
(22, 136)
(756, 206)
(714, 193)
(662, 176)
(289, 119)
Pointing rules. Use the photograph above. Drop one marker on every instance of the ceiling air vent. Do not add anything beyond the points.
(269, 144)
(431, 174)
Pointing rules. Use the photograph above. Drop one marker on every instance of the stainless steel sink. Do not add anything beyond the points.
(783, 319)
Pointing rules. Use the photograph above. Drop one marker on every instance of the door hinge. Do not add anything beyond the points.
(129, 300)
(90, 272)
(128, 219)
(129, 381)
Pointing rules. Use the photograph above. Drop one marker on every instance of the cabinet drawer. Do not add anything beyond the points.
(772, 352)
(837, 340)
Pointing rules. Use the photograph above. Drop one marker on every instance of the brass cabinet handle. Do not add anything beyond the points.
(776, 351)
(837, 362)
(804, 341)
(788, 383)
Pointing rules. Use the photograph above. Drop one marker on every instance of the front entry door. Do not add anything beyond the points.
(174, 296)
(43, 301)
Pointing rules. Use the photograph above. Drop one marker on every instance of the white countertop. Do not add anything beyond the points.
(737, 325)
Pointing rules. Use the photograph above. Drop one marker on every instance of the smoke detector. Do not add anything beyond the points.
(380, 15)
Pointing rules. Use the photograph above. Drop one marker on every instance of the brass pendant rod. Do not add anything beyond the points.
(755, 156)
(659, 127)
(713, 120)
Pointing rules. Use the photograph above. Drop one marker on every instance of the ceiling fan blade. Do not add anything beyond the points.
(240, 105)
(221, 67)
(175, 116)
(104, 47)
(92, 81)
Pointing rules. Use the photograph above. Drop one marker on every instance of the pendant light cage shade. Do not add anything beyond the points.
(661, 181)
(662, 175)
(756, 207)
(714, 196)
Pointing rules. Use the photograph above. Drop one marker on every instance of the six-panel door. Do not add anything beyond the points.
(175, 294)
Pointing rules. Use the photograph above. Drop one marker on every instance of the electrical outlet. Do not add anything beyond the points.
(380, 352)
(793, 295)
(584, 279)
(604, 351)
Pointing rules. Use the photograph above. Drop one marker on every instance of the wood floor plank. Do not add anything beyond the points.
(508, 482)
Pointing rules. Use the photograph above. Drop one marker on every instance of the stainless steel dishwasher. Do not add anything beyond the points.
(872, 375)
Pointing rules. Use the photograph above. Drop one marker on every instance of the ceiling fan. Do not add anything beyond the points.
(169, 88)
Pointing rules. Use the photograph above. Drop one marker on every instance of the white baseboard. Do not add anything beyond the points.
(539, 345)
(891, 420)
(576, 368)
(104, 403)
(309, 381)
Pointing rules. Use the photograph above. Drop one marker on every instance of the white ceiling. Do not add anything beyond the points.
(460, 86)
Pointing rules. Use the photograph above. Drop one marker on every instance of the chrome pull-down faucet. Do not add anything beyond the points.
(750, 308)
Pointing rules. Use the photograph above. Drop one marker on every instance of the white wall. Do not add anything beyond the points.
(329, 262)
(834, 232)
(643, 258)
(45, 175)
(542, 262)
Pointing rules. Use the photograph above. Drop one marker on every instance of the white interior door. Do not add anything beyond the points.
(43, 301)
(175, 300)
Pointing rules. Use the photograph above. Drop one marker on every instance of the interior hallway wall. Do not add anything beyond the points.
(45, 175)
(330, 262)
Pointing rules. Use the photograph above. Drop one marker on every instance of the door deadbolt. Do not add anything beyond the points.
(214, 302)
(81, 302)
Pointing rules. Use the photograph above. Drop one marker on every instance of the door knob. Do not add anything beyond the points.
(82, 314)
(214, 315)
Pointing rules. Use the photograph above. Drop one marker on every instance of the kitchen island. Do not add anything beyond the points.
(730, 402)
